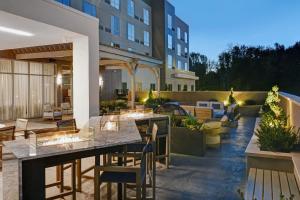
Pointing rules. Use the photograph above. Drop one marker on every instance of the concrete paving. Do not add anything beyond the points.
(217, 176)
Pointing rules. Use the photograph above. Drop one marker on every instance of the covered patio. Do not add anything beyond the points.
(112, 59)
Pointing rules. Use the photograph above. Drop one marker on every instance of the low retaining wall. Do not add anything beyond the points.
(291, 106)
(190, 98)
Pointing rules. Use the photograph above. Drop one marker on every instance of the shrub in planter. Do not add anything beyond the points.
(273, 133)
(273, 137)
(188, 139)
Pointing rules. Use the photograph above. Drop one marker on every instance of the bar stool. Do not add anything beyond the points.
(131, 174)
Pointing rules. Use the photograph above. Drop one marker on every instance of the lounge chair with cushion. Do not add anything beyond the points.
(66, 108)
(203, 104)
(218, 109)
(51, 113)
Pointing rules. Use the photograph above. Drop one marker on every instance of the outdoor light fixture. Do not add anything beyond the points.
(100, 81)
(15, 31)
(59, 79)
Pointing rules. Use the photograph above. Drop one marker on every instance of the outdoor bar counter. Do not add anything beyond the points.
(24, 166)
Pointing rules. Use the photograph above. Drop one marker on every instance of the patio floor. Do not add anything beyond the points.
(218, 175)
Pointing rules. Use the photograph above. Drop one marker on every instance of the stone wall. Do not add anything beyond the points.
(190, 98)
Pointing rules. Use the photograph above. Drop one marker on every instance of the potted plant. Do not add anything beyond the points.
(187, 138)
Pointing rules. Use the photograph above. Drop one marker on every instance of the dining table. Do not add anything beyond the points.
(24, 171)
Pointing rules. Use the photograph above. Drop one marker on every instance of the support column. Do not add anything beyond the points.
(85, 79)
(132, 90)
(158, 82)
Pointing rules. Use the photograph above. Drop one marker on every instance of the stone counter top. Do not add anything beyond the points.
(128, 133)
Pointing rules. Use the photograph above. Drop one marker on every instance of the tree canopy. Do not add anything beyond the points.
(250, 68)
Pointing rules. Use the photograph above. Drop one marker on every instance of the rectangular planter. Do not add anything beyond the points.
(257, 158)
(187, 142)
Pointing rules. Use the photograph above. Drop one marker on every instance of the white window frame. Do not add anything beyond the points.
(113, 21)
(170, 61)
(115, 4)
(178, 49)
(179, 64)
(130, 8)
(146, 38)
(170, 41)
(146, 16)
(186, 66)
(185, 37)
(170, 24)
(178, 33)
(130, 32)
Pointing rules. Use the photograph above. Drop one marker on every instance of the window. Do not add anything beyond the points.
(146, 38)
(89, 8)
(178, 64)
(65, 2)
(170, 61)
(178, 49)
(185, 50)
(192, 88)
(115, 25)
(169, 87)
(130, 32)
(130, 8)
(179, 87)
(115, 4)
(185, 88)
(186, 67)
(169, 21)
(146, 16)
(178, 33)
(186, 37)
(152, 86)
(170, 41)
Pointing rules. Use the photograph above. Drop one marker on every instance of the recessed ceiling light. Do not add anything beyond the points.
(15, 31)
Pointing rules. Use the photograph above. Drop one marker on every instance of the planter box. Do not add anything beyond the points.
(187, 142)
(256, 158)
(250, 111)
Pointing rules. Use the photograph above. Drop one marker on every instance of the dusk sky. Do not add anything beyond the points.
(216, 24)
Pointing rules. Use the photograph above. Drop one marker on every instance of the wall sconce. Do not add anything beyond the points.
(100, 81)
(59, 79)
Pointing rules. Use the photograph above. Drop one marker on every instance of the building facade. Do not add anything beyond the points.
(171, 45)
(147, 27)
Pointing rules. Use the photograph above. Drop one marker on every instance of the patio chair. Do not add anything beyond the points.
(203, 104)
(21, 127)
(131, 175)
(218, 109)
(49, 112)
(203, 114)
(66, 108)
(6, 134)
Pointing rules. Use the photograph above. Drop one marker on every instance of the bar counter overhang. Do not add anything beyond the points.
(24, 174)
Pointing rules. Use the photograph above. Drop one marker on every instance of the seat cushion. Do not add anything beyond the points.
(118, 177)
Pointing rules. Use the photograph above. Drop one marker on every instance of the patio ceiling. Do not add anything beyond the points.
(28, 36)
